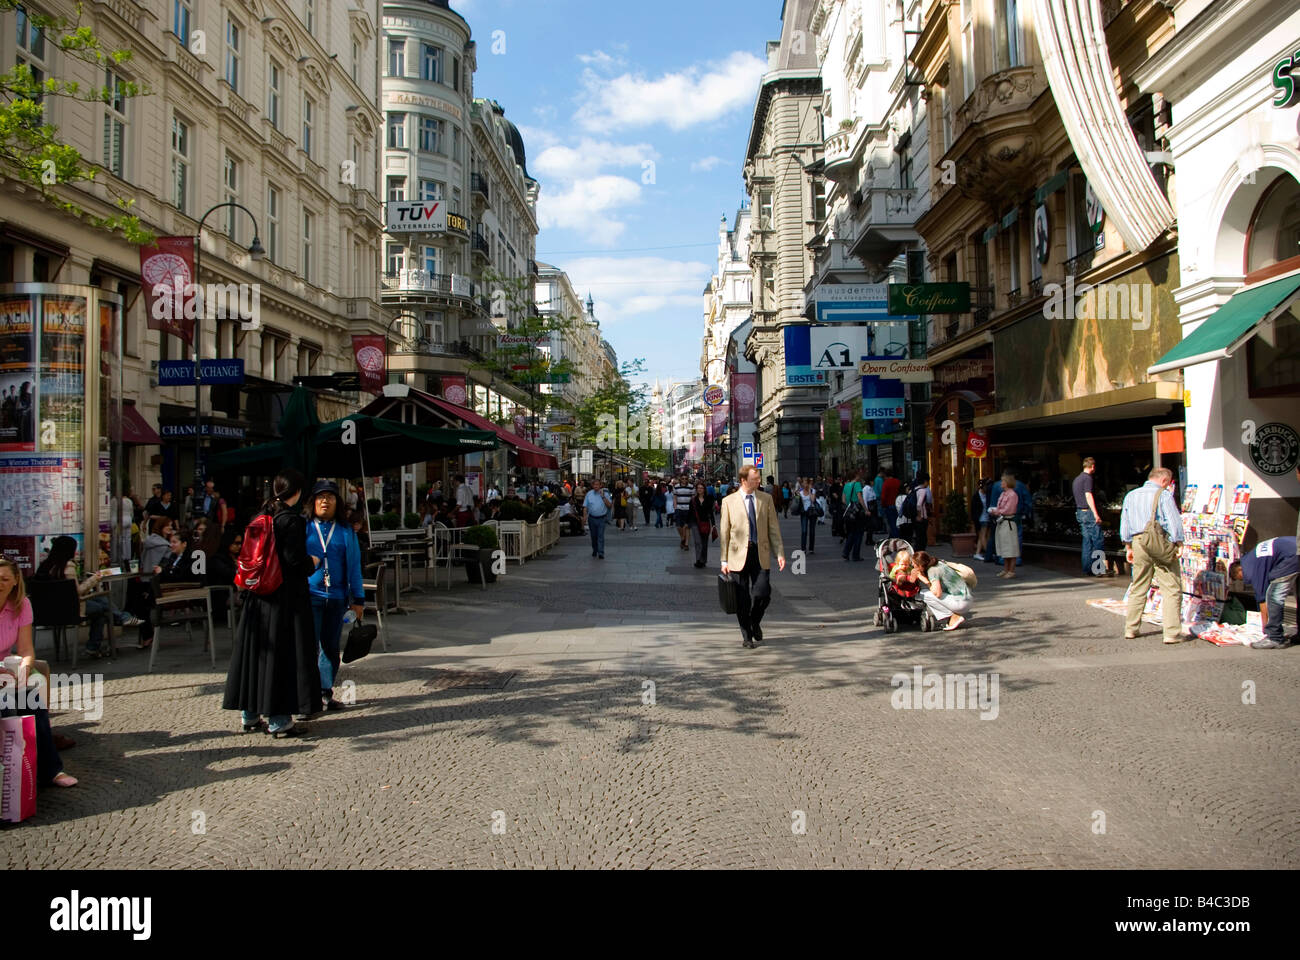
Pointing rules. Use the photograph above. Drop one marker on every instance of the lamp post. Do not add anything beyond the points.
(256, 252)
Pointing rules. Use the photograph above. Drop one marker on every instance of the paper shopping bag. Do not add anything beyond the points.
(18, 756)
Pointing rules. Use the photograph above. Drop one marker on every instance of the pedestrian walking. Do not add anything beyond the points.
(787, 495)
(1085, 511)
(924, 499)
(750, 535)
(1152, 529)
(274, 670)
(889, 488)
(809, 512)
(1005, 537)
(620, 505)
(596, 508)
(464, 502)
(855, 516)
(701, 521)
(1024, 518)
(983, 522)
(336, 584)
(682, 494)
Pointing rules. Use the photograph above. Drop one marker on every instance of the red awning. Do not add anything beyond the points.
(133, 428)
(527, 454)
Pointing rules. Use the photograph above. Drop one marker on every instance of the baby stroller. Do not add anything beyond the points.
(894, 608)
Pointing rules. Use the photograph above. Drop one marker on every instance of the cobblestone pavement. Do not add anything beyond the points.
(791, 755)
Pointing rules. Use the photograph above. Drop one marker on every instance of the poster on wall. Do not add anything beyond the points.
(63, 345)
(20, 550)
(31, 495)
(17, 375)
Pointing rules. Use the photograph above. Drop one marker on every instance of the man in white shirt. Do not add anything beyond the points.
(924, 507)
(493, 493)
(464, 502)
(596, 508)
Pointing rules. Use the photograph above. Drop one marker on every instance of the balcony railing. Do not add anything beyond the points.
(481, 245)
(1014, 298)
(478, 184)
(422, 281)
(1036, 287)
(429, 348)
(1080, 264)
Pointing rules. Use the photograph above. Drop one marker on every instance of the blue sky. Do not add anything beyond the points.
(601, 90)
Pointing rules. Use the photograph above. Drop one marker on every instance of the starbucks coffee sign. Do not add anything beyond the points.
(910, 299)
(1276, 449)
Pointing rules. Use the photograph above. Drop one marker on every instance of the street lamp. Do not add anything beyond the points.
(256, 252)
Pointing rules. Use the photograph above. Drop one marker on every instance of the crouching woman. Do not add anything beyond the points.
(946, 595)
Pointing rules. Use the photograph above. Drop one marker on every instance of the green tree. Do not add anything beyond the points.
(30, 150)
(620, 399)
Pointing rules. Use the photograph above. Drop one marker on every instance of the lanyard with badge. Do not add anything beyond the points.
(325, 546)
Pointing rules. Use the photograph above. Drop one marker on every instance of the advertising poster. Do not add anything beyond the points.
(17, 374)
(744, 394)
(62, 407)
(372, 361)
(20, 550)
(63, 347)
(167, 269)
(63, 334)
(453, 390)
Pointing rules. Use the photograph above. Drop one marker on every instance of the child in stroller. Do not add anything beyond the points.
(898, 588)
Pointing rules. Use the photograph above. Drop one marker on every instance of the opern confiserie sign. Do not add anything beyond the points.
(908, 371)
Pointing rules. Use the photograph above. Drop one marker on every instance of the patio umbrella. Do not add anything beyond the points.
(298, 429)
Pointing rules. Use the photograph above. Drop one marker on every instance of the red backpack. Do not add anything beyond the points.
(258, 569)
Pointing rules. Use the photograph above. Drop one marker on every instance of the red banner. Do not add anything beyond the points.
(744, 394)
(453, 391)
(167, 272)
(716, 424)
(372, 361)
(977, 444)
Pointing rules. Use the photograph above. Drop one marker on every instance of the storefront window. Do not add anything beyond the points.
(1274, 368)
(1275, 232)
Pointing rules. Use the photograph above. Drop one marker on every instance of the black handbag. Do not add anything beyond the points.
(360, 638)
(727, 593)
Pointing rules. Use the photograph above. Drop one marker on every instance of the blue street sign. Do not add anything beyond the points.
(852, 311)
(758, 460)
(882, 399)
(747, 451)
(180, 373)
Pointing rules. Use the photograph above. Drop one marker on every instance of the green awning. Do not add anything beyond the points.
(1231, 325)
(1050, 187)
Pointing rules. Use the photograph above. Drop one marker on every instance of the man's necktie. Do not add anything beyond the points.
(753, 520)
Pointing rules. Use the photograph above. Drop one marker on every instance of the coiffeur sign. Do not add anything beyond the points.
(906, 299)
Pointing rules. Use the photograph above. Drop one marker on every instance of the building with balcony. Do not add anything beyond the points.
(1233, 143)
(1062, 226)
(728, 298)
(875, 123)
(272, 105)
(785, 141)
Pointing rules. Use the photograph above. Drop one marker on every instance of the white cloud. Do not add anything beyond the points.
(679, 100)
(705, 164)
(601, 60)
(590, 157)
(625, 288)
(587, 205)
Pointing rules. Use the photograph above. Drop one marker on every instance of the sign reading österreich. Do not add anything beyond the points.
(908, 371)
(417, 216)
(909, 299)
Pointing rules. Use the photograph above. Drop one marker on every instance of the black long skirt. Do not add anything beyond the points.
(273, 668)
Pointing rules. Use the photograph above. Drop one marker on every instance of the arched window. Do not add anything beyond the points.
(1273, 244)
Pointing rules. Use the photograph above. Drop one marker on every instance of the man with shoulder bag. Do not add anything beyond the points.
(1152, 530)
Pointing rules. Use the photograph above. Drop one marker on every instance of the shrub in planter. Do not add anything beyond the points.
(485, 538)
(517, 510)
(481, 536)
(373, 506)
(411, 521)
(956, 518)
(391, 520)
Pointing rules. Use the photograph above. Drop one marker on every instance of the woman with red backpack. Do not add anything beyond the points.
(273, 668)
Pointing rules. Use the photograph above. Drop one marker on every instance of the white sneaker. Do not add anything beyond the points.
(978, 556)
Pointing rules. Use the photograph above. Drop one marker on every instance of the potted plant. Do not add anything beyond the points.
(956, 524)
(391, 520)
(373, 506)
(485, 538)
(411, 521)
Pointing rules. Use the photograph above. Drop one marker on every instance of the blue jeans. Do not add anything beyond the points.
(1093, 539)
(807, 532)
(273, 724)
(853, 542)
(891, 519)
(327, 615)
(1276, 600)
(597, 527)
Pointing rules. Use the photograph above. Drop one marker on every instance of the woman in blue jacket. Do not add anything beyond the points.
(336, 584)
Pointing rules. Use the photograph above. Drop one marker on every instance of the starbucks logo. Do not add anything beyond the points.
(1276, 449)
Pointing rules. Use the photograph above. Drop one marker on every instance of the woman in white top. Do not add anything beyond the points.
(807, 515)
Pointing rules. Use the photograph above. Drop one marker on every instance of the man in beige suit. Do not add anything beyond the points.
(750, 535)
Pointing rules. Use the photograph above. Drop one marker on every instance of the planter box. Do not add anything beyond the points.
(963, 544)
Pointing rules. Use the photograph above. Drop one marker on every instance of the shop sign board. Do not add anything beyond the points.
(1288, 93)
(1276, 449)
(180, 373)
(907, 371)
(909, 299)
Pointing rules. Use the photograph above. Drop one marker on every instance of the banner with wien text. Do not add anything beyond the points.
(372, 361)
(166, 272)
(744, 394)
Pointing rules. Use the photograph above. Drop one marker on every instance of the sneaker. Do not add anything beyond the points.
(978, 556)
(131, 621)
(1270, 644)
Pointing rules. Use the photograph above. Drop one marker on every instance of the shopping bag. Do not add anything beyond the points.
(360, 638)
(963, 571)
(18, 757)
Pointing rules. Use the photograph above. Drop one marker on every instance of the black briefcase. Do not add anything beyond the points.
(727, 593)
(360, 638)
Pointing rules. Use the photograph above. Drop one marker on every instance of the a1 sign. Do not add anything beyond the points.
(1288, 93)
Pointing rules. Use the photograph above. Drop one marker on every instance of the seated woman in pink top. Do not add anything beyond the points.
(16, 639)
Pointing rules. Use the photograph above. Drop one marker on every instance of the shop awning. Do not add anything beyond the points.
(1232, 324)
(1140, 400)
(134, 428)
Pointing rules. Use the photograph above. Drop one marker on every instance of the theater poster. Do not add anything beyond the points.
(17, 374)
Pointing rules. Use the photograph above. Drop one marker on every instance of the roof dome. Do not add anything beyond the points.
(516, 138)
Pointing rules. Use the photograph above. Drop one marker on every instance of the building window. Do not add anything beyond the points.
(309, 19)
(968, 47)
(31, 49)
(455, 73)
(1009, 43)
(233, 39)
(429, 134)
(308, 235)
(905, 163)
(819, 199)
(430, 261)
(397, 57)
(1274, 239)
(230, 192)
(356, 62)
(769, 286)
(430, 190)
(274, 83)
(181, 16)
(396, 189)
(273, 224)
(430, 62)
(308, 121)
(433, 326)
(945, 115)
(115, 124)
(397, 131)
(1012, 235)
(180, 164)
(765, 210)
(1081, 237)
(393, 262)
(1273, 369)
(455, 144)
